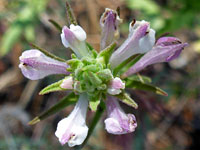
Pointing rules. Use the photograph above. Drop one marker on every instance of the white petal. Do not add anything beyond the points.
(112, 126)
(61, 128)
(112, 91)
(146, 43)
(78, 32)
(80, 133)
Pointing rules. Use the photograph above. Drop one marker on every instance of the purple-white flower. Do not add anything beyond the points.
(165, 50)
(36, 65)
(74, 37)
(115, 86)
(140, 40)
(73, 129)
(94, 75)
(118, 122)
(109, 25)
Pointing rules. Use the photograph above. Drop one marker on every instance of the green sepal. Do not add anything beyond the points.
(56, 25)
(53, 87)
(94, 79)
(89, 46)
(106, 53)
(91, 68)
(64, 102)
(94, 101)
(70, 15)
(74, 63)
(105, 75)
(146, 87)
(125, 98)
(47, 53)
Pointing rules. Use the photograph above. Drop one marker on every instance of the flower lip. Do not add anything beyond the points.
(168, 41)
(73, 129)
(118, 122)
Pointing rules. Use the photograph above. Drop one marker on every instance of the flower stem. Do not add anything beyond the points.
(95, 120)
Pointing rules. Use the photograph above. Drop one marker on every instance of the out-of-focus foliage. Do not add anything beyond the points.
(169, 15)
(26, 14)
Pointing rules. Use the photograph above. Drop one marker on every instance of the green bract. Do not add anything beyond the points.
(91, 75)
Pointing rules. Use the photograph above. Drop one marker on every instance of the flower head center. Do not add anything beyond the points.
(89, 74)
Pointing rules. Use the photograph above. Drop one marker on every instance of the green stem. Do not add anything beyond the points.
(95, 120)
(56, 25)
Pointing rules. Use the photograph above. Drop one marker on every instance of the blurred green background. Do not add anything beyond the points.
(164, 123)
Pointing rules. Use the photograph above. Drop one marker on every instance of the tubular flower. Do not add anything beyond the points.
(140, 40)
(109, 25)
(36, 65)
(74, 37)
(94, 77)
(118, 122)
(73, 129)
(165, 50)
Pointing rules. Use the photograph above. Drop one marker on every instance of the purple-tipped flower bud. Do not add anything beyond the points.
(109, 25)
(67, 83)
(118, 122)
(165, 50)
(140, 40)
(36, 65)
(74, 37)
(115, 86)
(73, 129)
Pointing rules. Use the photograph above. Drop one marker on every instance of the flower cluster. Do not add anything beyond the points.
(93, 76)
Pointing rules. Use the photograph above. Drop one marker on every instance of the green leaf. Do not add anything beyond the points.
(106, 53)
(64, 102)
(138, 77)
(70, 15)
(125, 98)
(47, 53)
(53, 87)
(146, 87)
(89, 46)
(125, 65)
(56, 25)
